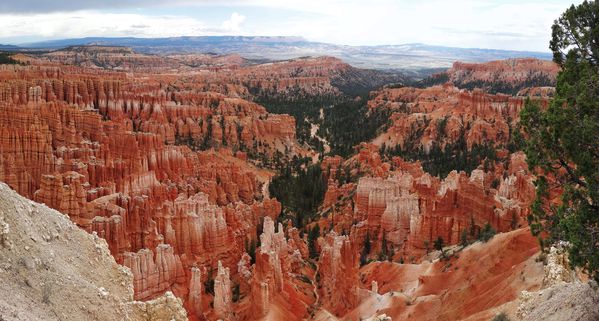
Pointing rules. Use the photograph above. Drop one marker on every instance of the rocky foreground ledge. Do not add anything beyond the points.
(52, 270)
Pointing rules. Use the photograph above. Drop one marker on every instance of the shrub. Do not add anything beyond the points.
(501, 317)
(487, 233)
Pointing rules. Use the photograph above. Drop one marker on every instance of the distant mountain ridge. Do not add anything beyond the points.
(8, 47)
(404, 57)
(166, 41)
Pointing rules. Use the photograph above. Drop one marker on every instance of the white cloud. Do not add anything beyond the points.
(91, 23)
(234, 23)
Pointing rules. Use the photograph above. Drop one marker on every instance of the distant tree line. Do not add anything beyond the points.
(6, 58)
(346, 120)
(491, 87)
(439, 161)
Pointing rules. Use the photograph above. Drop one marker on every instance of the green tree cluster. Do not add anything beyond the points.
(346, 121)
(453, 156)
(5, 58)
(487, 233)
(300, 190)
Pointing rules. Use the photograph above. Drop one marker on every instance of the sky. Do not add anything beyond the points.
(495, 24)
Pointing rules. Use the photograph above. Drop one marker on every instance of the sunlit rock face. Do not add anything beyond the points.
(411, 209)
(504, 75)
(338, 269)
(442, 115)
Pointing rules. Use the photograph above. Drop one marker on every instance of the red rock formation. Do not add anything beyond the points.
(153, 274)
(194, 299)
(120, 154)
(126, 59)
(310, 75)
(297, 245)
(271, 265)
(411, 208)
(420, 114)
(335, 193)
(65, 193)
(190, 117)
(222, 294)
(338, 268)
(406, 209)
(518, 73)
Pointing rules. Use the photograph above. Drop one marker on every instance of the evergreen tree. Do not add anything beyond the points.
(439, 243)
(313, 236)
(563, 141)
(464, 238)
(472, 227)
(5, 58)
(487, 233)
(501, 317)
(209, 283)
(365, 250)
(235, 292)
(250, 249)
(384, 245)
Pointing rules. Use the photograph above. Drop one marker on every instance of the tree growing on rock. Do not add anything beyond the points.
(250, 249)
(563, 141)
(313, 236)
(439, 243)
(384, 248)
(464, 238)
(365, 250)
(487, 233)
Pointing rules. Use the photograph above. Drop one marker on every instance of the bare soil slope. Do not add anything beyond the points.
(52, 270)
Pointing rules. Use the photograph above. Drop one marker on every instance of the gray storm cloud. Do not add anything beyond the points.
(39, 6)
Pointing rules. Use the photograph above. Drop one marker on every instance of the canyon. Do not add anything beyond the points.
(165, 161)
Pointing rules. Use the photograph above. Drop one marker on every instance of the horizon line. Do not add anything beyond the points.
(301, 39)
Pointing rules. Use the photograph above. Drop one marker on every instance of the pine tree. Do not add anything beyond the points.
(365, 250)
(439, 243)
(250, 249)
(487, 233)
(464, 238)
(563, 141)
(313, 236)
(384, 245)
